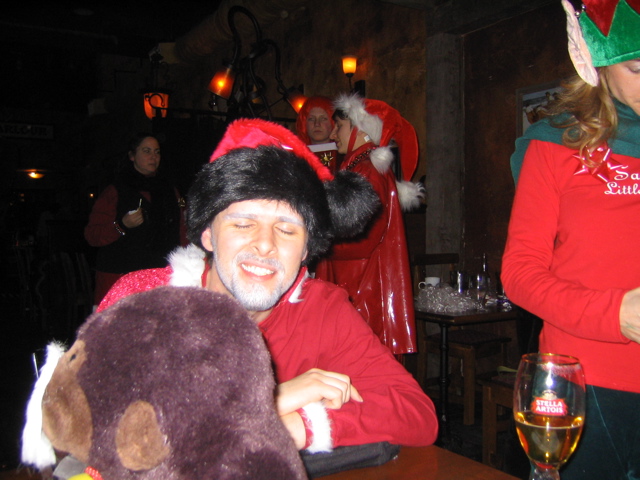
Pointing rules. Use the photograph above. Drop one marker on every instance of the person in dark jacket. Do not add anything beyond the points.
(137, 220)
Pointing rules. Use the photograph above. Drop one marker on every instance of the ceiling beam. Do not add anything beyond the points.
(465, 16)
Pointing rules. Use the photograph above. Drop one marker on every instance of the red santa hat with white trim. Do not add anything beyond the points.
(386, 127)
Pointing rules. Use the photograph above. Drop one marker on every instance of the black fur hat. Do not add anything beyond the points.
(257, 159)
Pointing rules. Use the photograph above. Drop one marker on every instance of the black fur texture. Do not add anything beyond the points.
(339, 208)
(352, 202)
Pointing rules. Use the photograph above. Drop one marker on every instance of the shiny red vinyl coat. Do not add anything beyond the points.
(375, 270)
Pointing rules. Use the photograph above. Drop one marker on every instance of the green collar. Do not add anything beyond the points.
(626, 141)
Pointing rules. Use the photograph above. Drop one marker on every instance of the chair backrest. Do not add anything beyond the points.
(420, 262)
(85, 286)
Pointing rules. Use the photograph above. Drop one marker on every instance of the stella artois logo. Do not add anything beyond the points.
(549, 404)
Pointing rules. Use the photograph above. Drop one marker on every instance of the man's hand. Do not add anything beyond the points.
(333, 389)
(294, 424)
(630, 315)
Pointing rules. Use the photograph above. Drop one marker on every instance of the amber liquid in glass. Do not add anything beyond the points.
(548, 440)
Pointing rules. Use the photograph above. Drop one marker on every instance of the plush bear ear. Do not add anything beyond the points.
(67, 420)
(139, 441)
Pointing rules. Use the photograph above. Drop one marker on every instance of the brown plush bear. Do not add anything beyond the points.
(174, 383)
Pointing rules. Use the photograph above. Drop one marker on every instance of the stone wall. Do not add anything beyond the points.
(388, 40)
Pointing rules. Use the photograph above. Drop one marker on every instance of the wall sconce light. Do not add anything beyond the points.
(222, 82)
(296, 98)
(35, 174)
(156, 100)
(349, 66)
(156, 104)
(237, 82)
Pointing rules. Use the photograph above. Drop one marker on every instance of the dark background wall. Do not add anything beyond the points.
(516, 53)
(499, 61)
(452, 68)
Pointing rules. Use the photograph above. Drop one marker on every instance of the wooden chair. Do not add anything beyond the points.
(21, 262)
(496, 392)
(466, 344)
(84, 282)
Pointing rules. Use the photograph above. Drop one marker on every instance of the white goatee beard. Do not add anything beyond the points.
(253, 297)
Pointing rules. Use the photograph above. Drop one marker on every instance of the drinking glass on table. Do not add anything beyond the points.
(482, 287)
(549, 409)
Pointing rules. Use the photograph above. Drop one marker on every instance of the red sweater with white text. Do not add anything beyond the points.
(572, 252)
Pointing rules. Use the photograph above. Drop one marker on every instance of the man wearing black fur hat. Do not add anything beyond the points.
(263, 209)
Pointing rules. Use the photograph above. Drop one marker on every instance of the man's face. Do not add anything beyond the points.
(258, 246)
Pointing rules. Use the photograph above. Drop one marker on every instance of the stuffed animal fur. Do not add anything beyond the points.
(173, 383)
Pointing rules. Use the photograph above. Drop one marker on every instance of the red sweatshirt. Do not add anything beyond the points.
(573, 250)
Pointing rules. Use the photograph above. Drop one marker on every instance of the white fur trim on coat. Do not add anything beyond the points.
(36, 447)
(410, 194)
(320, 426)
(187, 264)
(382, 159)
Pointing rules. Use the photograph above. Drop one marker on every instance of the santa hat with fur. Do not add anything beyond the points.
(385, 125)
(257, 159)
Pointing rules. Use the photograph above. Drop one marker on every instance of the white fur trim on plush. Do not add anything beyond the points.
(187, 264)
(353, 106)
(320, 426)
(36, 447)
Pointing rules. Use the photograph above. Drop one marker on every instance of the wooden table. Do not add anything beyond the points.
(413, 463)
(21, 474)
(490, 314)
(424, 463)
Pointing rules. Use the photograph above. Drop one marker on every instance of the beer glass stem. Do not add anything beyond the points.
(544, 474)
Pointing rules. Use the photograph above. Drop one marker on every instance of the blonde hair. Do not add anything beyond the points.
(592, 119)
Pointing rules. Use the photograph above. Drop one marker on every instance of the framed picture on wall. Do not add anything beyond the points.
(531, 102)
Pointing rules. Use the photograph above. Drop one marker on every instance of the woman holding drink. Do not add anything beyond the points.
(573, 249)
(138, 219)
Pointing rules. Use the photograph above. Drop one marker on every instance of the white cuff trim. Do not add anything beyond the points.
(321, 427)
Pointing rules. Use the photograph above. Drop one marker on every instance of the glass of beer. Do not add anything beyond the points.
(548, 407)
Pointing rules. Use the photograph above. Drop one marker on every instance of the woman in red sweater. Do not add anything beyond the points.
(572, 255)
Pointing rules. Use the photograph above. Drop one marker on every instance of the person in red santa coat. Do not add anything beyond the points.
(374, 269)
